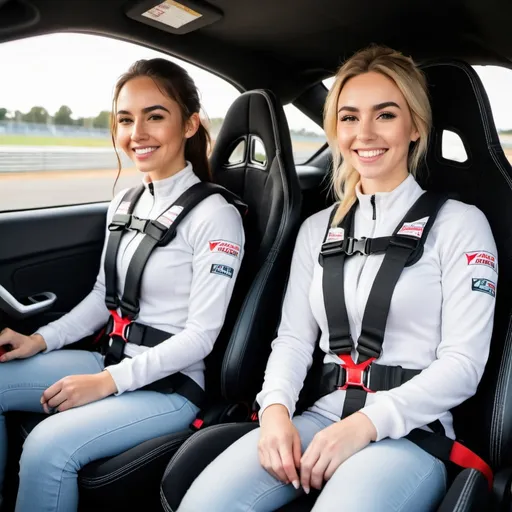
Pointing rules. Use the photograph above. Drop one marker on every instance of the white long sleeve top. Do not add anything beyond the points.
(440, 319)
(185, 290)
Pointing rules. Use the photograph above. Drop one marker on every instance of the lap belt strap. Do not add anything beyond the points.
(448, 450)
(368, 376)
(148, 336)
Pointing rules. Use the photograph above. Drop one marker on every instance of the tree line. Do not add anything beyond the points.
(63, 116)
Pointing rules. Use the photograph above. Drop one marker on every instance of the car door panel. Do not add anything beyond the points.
(50, 250)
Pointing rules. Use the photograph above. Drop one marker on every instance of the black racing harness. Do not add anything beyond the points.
(122, 327)
(402, 249)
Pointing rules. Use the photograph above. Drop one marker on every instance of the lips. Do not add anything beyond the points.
(370, 155)
(140, 151)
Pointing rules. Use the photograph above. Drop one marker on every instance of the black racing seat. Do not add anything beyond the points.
(252, 157)
(484, 423)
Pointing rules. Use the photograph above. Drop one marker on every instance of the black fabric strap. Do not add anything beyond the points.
(117, 228)
(333, 281)
(146, 336)
(157, 233)
(402, 249)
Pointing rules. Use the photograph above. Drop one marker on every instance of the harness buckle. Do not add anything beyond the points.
(120, 326)
(331, 248)
(352, 245)
(155, 230)
(137, 224)
(357, 375)
(120, 221)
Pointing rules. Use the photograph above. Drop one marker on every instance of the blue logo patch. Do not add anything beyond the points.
(484, 285)
(222, 270)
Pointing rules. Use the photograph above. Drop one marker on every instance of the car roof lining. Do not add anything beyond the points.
(290, 45)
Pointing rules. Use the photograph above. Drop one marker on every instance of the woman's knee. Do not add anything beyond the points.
(47, 448)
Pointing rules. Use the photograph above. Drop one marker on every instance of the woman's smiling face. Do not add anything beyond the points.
(374, 130)
(150, 128)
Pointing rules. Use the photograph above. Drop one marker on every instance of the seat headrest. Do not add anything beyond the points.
(460, 105)
(254, 114)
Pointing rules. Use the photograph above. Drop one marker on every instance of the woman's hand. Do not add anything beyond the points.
(77, 390)
(332, 446)
(279, 446)
(22, 346)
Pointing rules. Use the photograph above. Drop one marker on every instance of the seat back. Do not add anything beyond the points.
(262, 172)
(460, 105)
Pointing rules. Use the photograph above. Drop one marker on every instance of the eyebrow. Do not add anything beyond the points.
(145, 110)
(379, 106)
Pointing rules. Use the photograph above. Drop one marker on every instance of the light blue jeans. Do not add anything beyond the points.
(65, 442)
(390, 475)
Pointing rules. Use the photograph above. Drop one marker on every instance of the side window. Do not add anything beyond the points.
(498, 84)
(307, 137)
(55, 143)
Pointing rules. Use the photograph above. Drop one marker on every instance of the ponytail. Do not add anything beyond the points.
(196, 152)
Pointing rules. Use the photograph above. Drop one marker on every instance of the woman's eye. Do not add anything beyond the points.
(156, 117)
(124, 120)
(387, 115)
(347, 118)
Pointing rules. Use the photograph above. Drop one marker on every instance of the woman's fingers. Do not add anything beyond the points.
(288, 465)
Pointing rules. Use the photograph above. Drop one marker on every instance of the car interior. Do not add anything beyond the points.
(275, 53)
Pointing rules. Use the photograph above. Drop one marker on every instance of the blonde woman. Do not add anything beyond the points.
(438, 327)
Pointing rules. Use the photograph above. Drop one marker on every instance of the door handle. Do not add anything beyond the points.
(36, 304)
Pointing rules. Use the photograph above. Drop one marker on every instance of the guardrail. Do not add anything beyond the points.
(39, 159)
(61, 158)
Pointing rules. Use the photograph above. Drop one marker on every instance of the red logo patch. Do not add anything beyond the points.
(482, 258)
(224, 246)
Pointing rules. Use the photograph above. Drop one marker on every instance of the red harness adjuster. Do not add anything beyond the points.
(120, 325)
(357, 374)
(464, 457)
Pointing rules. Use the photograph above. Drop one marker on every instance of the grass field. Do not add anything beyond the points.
(27, 140)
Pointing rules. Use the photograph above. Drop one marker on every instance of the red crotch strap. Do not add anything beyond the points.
(464, 457)
(120, 325)
(357, 374)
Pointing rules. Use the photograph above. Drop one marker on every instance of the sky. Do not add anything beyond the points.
(80, 71)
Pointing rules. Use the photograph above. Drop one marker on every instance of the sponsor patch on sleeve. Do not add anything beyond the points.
(168, 217)
(335, 235)
(414, 229)
(480, 284)
(224, 246)
(482, 258)
(222, 270)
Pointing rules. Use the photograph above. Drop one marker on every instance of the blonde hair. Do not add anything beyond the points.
(412, 84)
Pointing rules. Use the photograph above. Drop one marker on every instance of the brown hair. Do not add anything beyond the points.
(412, 84)
(177, 84)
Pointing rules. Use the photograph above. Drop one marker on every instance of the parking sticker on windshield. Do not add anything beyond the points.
(482, 258)
(484, 285)
(414, 229)
(172, 13)
(222, 270)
